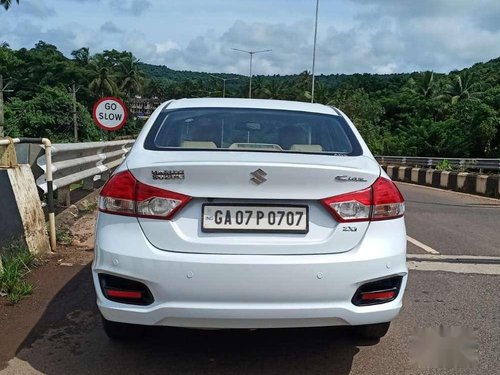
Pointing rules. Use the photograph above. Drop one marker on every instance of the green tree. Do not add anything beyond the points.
(130, 76)
(303, 86)
(155, 88)
(81, 55)
(463, 86)
(9, 62)
(365, 113)
(48, 114)
(102, 72)
(477, 124)
(7, 3)
(274, 89)
(321, 93)
(425, 85)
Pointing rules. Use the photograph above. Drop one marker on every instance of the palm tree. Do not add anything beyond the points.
(303, 86)
(155, 88)
(7, 3)
(102, 83)
(425, 85)
(304, 80)
(274, 89)
(322, 93)
(130, 76)
(463, 87)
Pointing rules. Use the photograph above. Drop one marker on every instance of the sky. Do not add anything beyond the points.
(354, 36)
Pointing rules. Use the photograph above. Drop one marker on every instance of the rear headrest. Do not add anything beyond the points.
(198, 144)
(306, 148)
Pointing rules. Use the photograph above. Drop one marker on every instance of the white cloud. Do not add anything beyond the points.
(377, 36)
(130, 7)
(110, 28)
(34, 9)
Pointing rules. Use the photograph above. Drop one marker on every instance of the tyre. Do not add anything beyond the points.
(121, 331)
(372, 331)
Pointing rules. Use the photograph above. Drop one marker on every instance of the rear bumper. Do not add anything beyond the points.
(248, 291)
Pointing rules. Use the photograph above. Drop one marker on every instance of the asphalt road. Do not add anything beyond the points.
(452, 223)
(68, 337)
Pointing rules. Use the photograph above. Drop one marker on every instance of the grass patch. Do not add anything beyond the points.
(75, 186)
(17, 262)
(88, 207)
(63, 236)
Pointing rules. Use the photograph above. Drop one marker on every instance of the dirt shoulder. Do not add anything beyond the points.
(74, 254)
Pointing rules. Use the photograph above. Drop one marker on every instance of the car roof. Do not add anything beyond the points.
(250, 103)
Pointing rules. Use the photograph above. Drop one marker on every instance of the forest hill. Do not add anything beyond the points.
(420, 114)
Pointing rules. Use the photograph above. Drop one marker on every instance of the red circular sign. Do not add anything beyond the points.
(110, 113)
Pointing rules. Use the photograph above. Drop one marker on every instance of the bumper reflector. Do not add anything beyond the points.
(376, 292)
(382, 295)
(126, 294)
(120, 289)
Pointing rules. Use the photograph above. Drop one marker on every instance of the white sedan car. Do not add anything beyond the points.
(236, 213)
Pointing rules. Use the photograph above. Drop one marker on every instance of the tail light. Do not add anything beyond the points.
(381, 201)
(124, 195)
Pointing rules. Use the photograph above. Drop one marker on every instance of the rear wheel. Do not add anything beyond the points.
(121, 331)
(372, 331)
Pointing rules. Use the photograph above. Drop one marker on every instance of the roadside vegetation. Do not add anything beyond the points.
(414, 114)
(17, 262)
(63, 236)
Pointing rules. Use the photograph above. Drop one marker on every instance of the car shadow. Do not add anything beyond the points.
(69, 339)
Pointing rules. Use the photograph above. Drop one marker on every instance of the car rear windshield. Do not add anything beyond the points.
(254, 130)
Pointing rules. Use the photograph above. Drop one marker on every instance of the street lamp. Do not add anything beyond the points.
(251, 53)
(314, 51)
(224, 83)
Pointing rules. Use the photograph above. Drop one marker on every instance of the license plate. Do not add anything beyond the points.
(265, 219)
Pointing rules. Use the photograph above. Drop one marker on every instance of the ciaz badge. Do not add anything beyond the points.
(349, 178)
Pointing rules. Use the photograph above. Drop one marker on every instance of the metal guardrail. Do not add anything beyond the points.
(431, 162)
(75, 162)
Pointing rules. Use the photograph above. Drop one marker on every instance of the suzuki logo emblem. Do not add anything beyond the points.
(258, 176)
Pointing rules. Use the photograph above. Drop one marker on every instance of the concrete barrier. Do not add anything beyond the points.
(472, 183)
(21, 216)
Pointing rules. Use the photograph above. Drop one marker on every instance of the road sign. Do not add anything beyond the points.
(110, 113)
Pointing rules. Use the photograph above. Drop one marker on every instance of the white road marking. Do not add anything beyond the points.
(421, 245)
(483, 269)
(485, 265)
(455, 258)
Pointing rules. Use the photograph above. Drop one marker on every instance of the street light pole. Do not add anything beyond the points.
(2, 90)
(314, 51)
(251, 75)
(223, 83)
(73, 91)
(251, 53)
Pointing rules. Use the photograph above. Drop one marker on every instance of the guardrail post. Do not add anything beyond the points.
(462, 164)
(88, 184)
(105, 176)
(64, 197)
